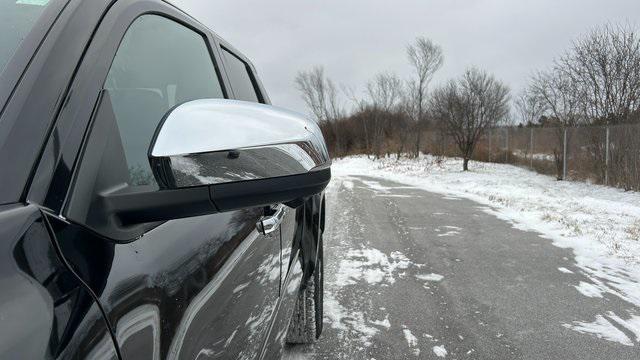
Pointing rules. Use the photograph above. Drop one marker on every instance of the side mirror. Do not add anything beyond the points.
(219, 155)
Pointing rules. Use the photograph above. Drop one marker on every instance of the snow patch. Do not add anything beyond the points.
(370, 265)
(351, 322)
(440, 351)
(452, 227)
(430, 277)
(383, 323)
(589, 290)
(376, 186)
(565, 270)
(449, 233)
(412, 341)
(602, 329)
(632, 324)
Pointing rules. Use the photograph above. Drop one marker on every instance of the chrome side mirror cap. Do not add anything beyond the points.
(214, 141)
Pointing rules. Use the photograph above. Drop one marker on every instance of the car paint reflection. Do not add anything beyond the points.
(188, 268)
(142, 319)
(205, 295)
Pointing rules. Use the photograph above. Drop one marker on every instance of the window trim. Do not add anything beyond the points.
(55, 176)
(205, 40)
(205, 37)
(250, 72)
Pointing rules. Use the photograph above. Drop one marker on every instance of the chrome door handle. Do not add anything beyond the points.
(271, 223)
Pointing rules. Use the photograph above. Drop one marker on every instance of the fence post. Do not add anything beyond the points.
(564, 157)
(490, 132)
(506, 154)
(531, 150)
(606, 158)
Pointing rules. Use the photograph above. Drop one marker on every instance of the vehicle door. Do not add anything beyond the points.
(200, 287)
(246, 86)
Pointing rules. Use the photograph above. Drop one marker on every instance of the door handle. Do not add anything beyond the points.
(269, 224)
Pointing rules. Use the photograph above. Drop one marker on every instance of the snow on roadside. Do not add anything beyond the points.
(589, 290)
(600, 224)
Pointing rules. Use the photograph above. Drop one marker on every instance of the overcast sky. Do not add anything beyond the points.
(355, 39)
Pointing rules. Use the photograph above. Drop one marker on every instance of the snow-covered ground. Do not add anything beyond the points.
(600, 224)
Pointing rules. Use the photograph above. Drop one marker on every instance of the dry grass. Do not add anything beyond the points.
(634, 230)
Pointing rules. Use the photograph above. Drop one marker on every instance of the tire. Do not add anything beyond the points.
(319, 292)
(306, 322)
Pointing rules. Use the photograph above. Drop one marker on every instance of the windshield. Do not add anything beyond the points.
(17, 18)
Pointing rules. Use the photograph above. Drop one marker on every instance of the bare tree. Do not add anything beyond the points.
(596, 82)
(321, 97)
(468, 106)
(558, 96)
(382, 96)
(360, 107)
(426, 58)
(384, 93)
(406, 107)
(604, 68)
(562, 105)
(529, 107)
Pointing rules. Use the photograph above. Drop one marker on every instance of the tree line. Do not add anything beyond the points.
(596, 81)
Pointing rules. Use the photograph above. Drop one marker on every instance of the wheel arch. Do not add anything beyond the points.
(313, 224)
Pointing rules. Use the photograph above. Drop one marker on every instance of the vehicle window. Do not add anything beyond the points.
(240, 77)
(17, 18)
(160, 64)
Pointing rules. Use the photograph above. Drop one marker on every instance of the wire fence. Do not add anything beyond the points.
(608, 155)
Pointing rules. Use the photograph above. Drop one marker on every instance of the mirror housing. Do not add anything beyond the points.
(217, 155)
(213, 142)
